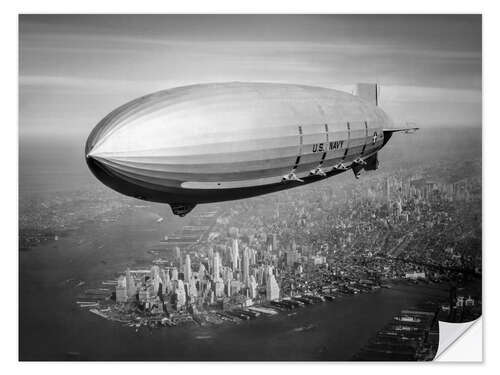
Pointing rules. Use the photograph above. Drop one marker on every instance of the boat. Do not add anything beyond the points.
(238, 315)
(294, 302)
(251, 314)
(281, 305)
(315, 298)
(406, 318)
(289, 304)
(263, 310)
(304, 300)
(304, 328)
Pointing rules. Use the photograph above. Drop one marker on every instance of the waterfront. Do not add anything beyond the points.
(339, 330)
(54, 327)
(97, 245)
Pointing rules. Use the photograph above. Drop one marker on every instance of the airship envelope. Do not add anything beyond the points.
(215, 142)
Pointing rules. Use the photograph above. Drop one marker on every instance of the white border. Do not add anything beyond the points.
(8, 24)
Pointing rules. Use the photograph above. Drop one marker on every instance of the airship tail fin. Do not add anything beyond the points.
(388, 132)
(410, 129)
(368, 92)
(182, 209)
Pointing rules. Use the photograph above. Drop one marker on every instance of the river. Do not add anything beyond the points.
(52, 325)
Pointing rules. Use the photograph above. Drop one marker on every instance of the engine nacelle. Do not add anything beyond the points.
(371, 163)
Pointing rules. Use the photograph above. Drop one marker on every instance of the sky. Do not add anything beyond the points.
(75, 69)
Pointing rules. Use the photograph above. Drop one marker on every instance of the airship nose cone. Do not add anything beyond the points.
(96, 161)
(114, 149)
(111, 177)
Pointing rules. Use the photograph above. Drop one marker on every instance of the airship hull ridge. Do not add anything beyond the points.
(216, 142)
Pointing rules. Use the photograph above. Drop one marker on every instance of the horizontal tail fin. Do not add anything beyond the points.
(409, 128)
(395, 130)
(388, 132)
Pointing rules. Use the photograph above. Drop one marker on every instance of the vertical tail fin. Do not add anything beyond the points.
(368, 92)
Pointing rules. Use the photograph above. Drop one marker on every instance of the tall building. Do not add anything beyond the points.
(260, 275)
(219, 288)
(201, 272)
(246, 267)
(144, 294)
(192, 292)
(131, 287)
(234, 254)
(292, 257)
(157, 284)
(272, 287)
(167, 284)
(252, 287)
(388, 190)
(216, 267)
(180, 293)
(155, 271)
(210, 256)
(253, 255)
(234, 287)
(187, 269)
(275, 243)
(175, 274)
(121, 289)
(399, 207)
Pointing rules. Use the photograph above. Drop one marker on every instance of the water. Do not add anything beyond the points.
(51, 324)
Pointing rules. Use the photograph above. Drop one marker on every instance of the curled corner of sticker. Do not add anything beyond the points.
(451, 332)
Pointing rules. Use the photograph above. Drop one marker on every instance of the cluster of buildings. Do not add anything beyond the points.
(233, 276)
(347, 238)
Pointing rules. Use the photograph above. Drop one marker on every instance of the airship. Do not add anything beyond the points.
(224, 141)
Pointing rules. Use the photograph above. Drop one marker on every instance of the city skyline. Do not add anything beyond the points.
(360, 267)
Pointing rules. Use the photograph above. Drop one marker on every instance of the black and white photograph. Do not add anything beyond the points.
(248, 187)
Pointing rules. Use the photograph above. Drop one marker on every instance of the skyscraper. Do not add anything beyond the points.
(201, 272)
(275, 242)
(388, 190)
(216, 268)
(180, 293)
(219, 288)
(234, 254)
(253, 254)
(175, 274)
(187, 269)
(130, 282)
(155, 271)
(246, 267)
(157, 284)
(252, 287)
(167, 285)
(272, 287)
(121, 289)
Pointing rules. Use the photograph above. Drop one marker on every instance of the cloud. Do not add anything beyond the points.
(412, 94)
(86, 65)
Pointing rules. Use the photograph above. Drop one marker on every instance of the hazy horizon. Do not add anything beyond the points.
(75, 69)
